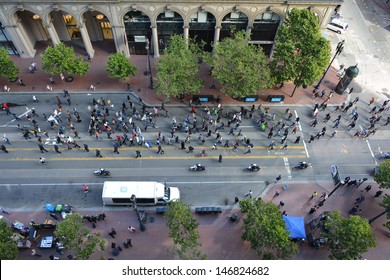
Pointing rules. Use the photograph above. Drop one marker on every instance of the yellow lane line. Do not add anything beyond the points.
(154, 158)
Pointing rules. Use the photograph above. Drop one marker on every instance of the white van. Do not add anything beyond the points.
(337, 25)
(146, 193)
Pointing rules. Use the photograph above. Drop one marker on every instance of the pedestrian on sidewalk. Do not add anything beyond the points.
(378, 193)
(367, 189)
(313, 195)
(34, 253)
(52, 82)
(131, 229)
(281, 204)
(249, 194)
(277, 193)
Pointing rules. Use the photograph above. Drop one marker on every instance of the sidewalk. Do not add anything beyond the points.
(221, 238)
(140, 84)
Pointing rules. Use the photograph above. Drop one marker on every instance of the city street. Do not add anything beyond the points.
(26, 184)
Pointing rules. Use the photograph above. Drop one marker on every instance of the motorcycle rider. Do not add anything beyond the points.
(254, 167)
(302, 165)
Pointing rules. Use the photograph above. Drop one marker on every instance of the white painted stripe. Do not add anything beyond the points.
(372, 153)
(307, 152)
(299, 123)
(287, 166)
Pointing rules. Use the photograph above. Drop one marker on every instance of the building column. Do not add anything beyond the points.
(155, 42)
(186, 33)
(86, 40)
(120, 40)
(20, 40)
(53, 34)
(216, 35)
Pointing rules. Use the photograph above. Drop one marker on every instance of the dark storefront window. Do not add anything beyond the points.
(202, 27)
(168, 23)
(5, 41)
(138, 28)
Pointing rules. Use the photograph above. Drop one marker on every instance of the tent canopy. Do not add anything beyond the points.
(295, 226)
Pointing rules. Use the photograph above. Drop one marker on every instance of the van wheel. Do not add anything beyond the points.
(338, 32)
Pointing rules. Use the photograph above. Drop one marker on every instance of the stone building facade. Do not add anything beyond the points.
(132, 26)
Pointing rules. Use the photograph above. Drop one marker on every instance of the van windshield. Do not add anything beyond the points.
(166, 194)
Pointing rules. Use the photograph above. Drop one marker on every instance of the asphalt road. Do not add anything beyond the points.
(26, 184)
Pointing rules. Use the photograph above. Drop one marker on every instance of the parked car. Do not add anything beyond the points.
(337, 25)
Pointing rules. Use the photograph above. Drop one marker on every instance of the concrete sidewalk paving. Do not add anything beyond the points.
(221, 238)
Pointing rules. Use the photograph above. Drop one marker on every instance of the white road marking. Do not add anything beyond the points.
(287, 166)
(304, 145)
(299, 123)
(372, 153)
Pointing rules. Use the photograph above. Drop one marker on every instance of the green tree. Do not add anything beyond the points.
(383, 175)
(241, 68)
(348, 238)
(301, 53)
(8, 247)
(266, 231)
(119, 67)
(77, 238)
(8, 68)
(61, 59)
(386, 204)
(178, 68)
(183, 229)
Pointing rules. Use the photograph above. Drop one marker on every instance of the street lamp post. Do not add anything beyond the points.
(133, 201)
(339, 49)
(149, 70)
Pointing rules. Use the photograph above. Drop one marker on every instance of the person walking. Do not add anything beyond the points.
(311, 138)
(56, 149)
(4, 149)
(314, 123)
(5, 139)
(41, 148)
(297, 140)
(249, 149)
(160, 150)
(313, 195)
(86, 148)
(98, 154)
(220, 159)
(277, 179)
(284, 147)
(138, 154)
(69, 101)
(367, 189)
(249, 194)
(372, 100)
(333, 134)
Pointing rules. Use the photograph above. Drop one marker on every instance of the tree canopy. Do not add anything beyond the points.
(8, 247)
(8, 68)
(348, 238)
(241, 68)
(119, 67)
(266, 231)
(76, 237)
(183, 229)
(61, 59)
(383, 175)
(178, 68)
(386, 204)
(301, 53)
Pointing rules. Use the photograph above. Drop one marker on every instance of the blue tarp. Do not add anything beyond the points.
(296, 226)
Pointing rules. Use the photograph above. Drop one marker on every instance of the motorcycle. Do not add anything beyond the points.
(301, 166)
(252, 168)
(197, 167)
(102, 172)
(384, 156)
